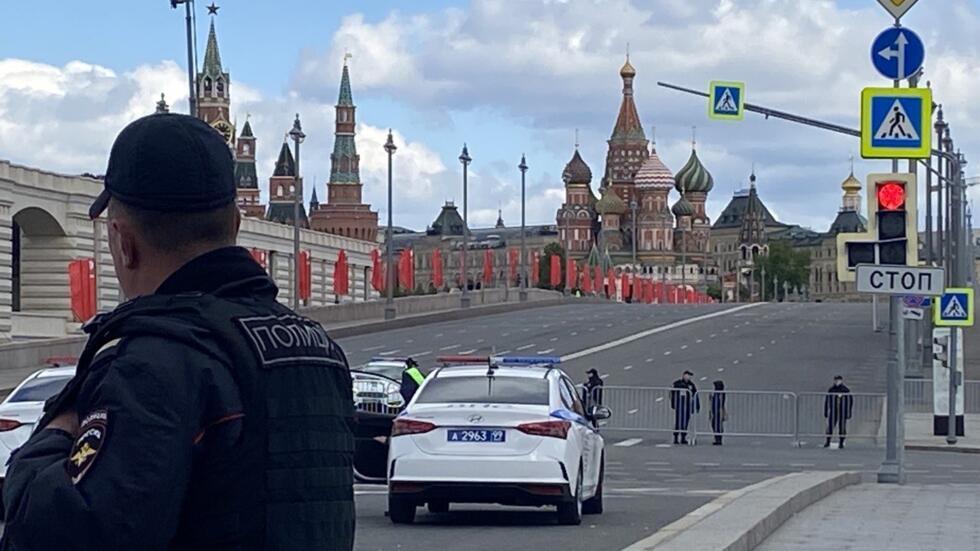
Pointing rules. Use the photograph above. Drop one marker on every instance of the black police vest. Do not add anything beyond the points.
(287, 483)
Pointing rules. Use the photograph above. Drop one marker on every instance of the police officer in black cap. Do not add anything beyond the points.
(204, 414)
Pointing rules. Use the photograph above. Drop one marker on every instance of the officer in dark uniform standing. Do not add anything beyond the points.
(204, 414)
(685, 402)
(592, 390)
(837, 408)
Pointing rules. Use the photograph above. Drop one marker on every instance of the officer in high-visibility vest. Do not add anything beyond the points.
(412, 379)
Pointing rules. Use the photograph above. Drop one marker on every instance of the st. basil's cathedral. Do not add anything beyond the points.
(634, 202)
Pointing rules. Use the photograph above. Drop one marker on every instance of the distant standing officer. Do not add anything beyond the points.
(592, 390)
(204, 414)
(837, 408)
(685, 402)
(412, 379)
(718, 412)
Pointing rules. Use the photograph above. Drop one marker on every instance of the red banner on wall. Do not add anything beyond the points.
(377, 271)
(555, 271)
(487, 267)
(81, 285)
(437, 278)
(305, 275)
(570, 274)
(341, 274)
(513, 258)
(535, 268)
(586, 281)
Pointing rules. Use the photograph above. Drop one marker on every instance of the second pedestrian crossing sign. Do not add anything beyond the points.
(726, 100)
(895, 123)
(954, 308)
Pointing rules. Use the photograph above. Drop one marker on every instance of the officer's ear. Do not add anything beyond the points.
(123, 242)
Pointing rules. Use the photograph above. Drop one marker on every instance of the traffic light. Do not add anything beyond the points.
(940, 350)
(891, 237)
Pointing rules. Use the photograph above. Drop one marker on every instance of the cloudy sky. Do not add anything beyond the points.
(506, 76)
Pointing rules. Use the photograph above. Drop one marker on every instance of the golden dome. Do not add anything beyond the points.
(627, 70)
(851, 184)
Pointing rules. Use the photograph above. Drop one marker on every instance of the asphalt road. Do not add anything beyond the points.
(772, 347)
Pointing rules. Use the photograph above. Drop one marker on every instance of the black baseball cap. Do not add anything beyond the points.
(168, 163)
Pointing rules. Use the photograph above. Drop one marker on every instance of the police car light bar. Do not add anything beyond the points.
(526, 360)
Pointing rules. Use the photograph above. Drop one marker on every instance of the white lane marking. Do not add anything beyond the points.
(802, 464)
(470, 351)
(632, 411)
(655, 330)
(950, 465)
(724, 330)
(748, 355)
(370, 348)
(721, 369)
(660, 469)
(389, 352)
(707, 464)
(656, 463)
(604, 376)
(546, 351)
(851, 465)
(502, 352)
(478, 341)
(734, 362)
(762, 347)
(683, 347)
(707, 492)
(704, 379)
(573, 333)
(772, 342)
(505, 334)
(659, 399)
(609, 325)
(649, 360)
(755, 464)
(627, 367)
(698, 341)
(628, 443)
(664, 446)
(553, 339)
(423, 353)
(410, 341)
(450, 347)
(667, 353)
(713, 335)
(591, 329)
(438, 334)
(526, 346)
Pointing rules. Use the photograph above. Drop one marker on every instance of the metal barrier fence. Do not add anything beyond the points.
(794, 415)
(919, 396)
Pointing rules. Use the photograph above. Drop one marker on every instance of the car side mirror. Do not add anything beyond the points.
(600, 413)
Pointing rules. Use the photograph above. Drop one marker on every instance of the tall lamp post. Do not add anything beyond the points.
(191, 98)
(523, 293)
(633, 206)
(390, 311)
(464, 298)
(298, 136)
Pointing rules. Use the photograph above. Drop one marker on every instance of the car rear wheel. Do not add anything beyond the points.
(401, 511)
(570, 512)
(436, 507)
(593, 505)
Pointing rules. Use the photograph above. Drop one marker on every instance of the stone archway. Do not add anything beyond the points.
(40, 252)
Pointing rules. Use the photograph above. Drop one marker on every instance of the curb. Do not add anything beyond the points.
(936, 448)
(740, 520)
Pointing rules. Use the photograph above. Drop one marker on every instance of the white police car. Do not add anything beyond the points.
(377, 385)
(511, 431)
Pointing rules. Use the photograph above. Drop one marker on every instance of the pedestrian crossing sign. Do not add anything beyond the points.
(895, 123)
(726, 100)
(954, 308)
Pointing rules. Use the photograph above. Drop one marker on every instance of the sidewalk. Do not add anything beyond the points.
(873, 517)
(918, 434)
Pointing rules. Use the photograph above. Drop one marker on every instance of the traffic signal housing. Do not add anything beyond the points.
(892, 234)
(940, 350)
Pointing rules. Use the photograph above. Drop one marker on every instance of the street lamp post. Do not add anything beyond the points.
(464, 298)
(523, 293)
(633, 206)
(298, 136)
(191, 98)
(390, 311)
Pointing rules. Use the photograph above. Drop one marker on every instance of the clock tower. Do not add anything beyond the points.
(213, 91)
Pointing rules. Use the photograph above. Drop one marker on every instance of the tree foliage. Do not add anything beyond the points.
(544, 265)
(782, 264)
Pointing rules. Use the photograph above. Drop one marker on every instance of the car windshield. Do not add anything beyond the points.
(389, 371)
(40, 389)
(481, 390)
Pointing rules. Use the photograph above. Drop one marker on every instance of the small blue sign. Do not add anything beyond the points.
(897, 53)
(897, 122)
(726, 100)
(955, 308)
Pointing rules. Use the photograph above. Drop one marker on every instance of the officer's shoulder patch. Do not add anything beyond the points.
(91, 438)
(289, 339)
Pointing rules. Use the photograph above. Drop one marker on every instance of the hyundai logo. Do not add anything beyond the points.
(474, 418)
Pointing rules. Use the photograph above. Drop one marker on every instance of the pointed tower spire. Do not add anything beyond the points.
(628, 122)
(345, 99)
(314, 202)
(285, 165)
(212, 58)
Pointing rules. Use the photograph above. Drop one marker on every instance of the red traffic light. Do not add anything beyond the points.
(891, 195)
